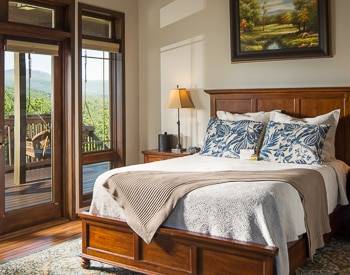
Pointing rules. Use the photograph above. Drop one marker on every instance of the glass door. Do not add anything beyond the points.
(30, 165)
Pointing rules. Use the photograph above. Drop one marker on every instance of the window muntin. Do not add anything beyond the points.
(30, 14)
(97, 27)
(96, 106)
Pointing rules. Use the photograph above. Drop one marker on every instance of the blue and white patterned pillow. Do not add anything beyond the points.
(294, 143)
(226, 138)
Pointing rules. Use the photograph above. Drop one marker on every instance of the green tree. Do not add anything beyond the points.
(286, 18)
(249, 11)
(264, 13)
(305, 15)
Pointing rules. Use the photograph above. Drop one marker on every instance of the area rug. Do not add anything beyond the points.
(64, 259)
(330, 260)
(61, 259)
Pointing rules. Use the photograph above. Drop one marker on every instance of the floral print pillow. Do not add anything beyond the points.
(294, 143)
(226, 138)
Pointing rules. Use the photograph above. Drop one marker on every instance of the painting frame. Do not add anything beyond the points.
(324, 48)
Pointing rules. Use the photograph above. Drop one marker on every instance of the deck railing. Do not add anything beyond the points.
(37, 125)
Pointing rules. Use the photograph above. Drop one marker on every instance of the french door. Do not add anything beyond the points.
(30, 134)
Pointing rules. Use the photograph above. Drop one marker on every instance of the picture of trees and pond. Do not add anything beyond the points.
(278, 24)
(286, 27)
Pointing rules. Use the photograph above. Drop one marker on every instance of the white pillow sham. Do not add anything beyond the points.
(258, 116)
(331, 119)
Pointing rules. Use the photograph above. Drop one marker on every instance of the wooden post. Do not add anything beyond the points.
(20, 119)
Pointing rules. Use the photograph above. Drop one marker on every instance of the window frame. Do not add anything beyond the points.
(86, 12)
(116, 154)
(57, 6)
(64, 22)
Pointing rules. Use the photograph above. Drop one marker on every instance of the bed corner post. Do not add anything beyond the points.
(85, 263)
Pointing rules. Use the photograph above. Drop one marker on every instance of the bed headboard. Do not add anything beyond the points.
(299, 102)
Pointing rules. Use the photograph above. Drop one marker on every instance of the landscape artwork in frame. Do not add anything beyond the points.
(268, 29)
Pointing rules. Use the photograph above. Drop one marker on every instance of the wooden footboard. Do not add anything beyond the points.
(172, 251)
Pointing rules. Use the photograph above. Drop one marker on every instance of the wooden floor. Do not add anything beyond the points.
(27, 244)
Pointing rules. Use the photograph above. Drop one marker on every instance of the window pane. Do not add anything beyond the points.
(90, 174)
(28, 135)
(96, 127)
(94, 53)
(98, 27)
(29, 14)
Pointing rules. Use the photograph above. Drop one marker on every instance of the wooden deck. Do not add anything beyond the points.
(38, 189)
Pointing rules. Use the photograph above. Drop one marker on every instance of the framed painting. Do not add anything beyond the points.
(278, 29)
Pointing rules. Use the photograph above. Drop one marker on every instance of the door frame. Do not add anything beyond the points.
(2, 128)
(29, 216)
(64, 35)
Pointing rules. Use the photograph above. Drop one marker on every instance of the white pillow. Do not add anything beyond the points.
(258, 116)
(331, 119)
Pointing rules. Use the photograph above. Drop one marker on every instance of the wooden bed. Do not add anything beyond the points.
(175, 251)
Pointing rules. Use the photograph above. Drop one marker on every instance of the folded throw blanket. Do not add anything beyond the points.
(148, 197)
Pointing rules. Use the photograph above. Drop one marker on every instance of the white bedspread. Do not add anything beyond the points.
(268, 213)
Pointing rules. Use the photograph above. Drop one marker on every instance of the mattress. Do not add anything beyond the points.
(237, 210)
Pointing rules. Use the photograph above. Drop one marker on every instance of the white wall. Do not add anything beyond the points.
(130, 8)
(194, 51)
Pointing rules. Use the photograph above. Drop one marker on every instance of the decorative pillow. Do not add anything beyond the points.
(258, 116)
(331, 119)
(294, 143)
(263, 117)
(226, 138)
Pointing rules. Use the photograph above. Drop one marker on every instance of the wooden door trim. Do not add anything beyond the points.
(57, 134)
(2, 126)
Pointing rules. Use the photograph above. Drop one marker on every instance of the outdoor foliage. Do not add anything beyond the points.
(264, 29)
(97, 114)
(40, 103)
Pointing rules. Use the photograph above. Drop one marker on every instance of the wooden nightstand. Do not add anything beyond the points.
(155, 155)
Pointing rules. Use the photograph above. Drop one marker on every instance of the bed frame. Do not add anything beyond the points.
(174, 251)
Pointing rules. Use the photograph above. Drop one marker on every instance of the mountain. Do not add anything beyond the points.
(41, 81)
(95, 87)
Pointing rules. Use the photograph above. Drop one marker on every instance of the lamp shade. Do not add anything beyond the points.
(179, 99)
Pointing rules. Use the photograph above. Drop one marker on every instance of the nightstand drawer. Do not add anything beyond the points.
(155, 155)
(152, 158)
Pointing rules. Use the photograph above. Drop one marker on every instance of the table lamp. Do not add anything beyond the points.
(179, 98)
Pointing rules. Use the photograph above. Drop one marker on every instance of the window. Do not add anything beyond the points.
(101, 95)
(97, 27)
(20, 12)
(34, 92)
(96, 126)
(90, 174)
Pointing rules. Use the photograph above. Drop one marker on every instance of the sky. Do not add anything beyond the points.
(39, 62)
(274, 5)
(43, 63)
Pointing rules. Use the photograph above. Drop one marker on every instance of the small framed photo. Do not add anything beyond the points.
(278, 29)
